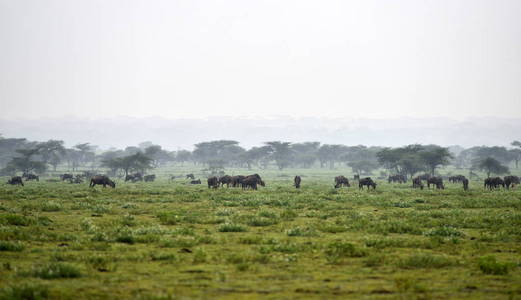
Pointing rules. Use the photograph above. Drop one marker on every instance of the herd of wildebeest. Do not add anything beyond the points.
(254, 180)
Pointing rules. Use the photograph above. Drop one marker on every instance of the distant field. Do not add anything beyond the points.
(167, 239)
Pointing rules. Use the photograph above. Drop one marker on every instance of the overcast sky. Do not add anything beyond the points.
(191, 59)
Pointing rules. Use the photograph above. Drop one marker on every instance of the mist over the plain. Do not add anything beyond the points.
(174, 134)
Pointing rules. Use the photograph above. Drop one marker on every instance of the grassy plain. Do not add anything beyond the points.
(167, 239)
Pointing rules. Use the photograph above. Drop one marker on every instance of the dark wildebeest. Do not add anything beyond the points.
(134, 177)
(367, 182)
(77, 179)
(28, 176)
(236, 181)
(436, 181)
(66, 176)
(511, 181)
(341, 181)
(226, 179)
(102, 180)
(15, 180)
(397, 178)
(251, 181)
(465, 182)
(424, 176)
(190, 176)
(213, 182)
(456, 179)
(494, 182)
(297, 181)
(149, 178)
(417, 183)
(198, 181)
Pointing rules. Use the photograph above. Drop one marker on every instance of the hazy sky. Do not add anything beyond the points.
(255, 58)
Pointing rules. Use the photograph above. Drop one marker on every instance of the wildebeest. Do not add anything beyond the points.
(341, 181)
(251, 181)
(424, 176)
(436, 181)
(28, 176)
(213, 182)
(77, 179)
(102, 180)
(190, 176)
(494, 182)
(66, 176)
(297, 181)
(15, 180)
(465, 182)
(367, 182)
(198, 181)
(226, 179)
(149, 178)
(134, 177)
(510, 181)
(456, 179)
(236, 181)
(397, 178)
(417, 183)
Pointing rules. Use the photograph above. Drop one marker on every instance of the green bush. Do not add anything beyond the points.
(230, 227)
(11, 246)
(56, 270)
(425, 260)
(25, 292)
(489, 265)
(338, 250)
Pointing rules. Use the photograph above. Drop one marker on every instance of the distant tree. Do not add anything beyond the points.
(491, 165)
(363, 166)
(257, 155)
(499, 153)
(516, 155)
(281, 153)
(158, 155)
(84, 154)
(137, 162)
(25, 162)
(305, 154)
(183, 156)
(221, 149)
(434, 156)
(330, 154)
(8, 147)
(51, 152)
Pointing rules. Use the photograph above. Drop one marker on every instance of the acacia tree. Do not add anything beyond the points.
(25, 162)
(434, 156)
(138, 162)
(51, 152)
(491, 165)
(516, 153)
(281, 153)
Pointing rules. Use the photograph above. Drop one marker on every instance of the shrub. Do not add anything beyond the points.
(25, 292)
(425, 260)
(11, 246)
(56, 270)
(338, 250)
(230, 227)
(261, 221)
(489, 265)
(444, 231)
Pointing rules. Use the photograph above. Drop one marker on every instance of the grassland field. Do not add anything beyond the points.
(172, 240)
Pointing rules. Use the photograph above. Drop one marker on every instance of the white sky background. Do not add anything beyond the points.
(186, 59)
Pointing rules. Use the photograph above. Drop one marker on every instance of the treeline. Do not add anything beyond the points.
(21, 155)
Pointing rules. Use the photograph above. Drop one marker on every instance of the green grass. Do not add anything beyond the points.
(173, 240)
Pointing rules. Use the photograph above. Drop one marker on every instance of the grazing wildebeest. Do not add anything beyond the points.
(356, 177)
(465, 182)
(134, 177)
(28, 176)
(149, 178)
(511, 181)
(417, 183)
(424, 176)
(198, 181)
(236, 181)
(77, 179)
(436, 181)
(341, 181)
(15, 180)
(190, 176)
(297, 181)
(367, 182)
(397, 178)
(66, 176)
(213, 182)
(226, 179)
(456, 179)
(251, 181)
(494, 182)
(102, 180)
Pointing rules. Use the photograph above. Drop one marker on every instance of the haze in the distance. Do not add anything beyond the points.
(193, 59)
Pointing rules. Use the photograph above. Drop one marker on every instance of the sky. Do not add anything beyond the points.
(192, 59)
